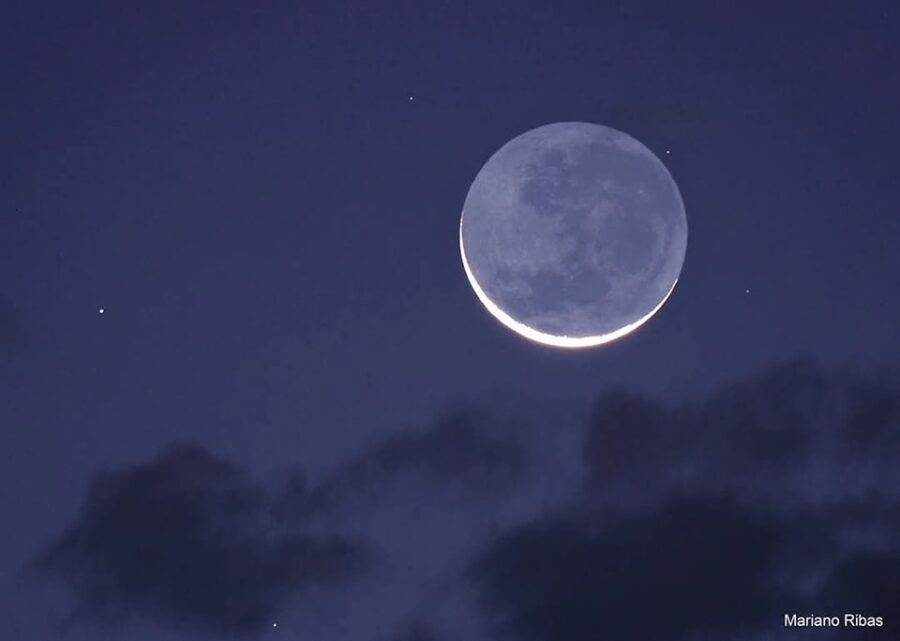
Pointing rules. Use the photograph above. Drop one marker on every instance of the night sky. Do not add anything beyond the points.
(246, 390)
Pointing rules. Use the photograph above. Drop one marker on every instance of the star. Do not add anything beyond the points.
(668, 152)
(410, 98)
(274, 625)
(101, 310)
(748, 291)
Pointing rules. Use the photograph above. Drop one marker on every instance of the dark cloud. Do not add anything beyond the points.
(868, 584)
(470, 447)
(189, 540)
(778, 494)
(694, 566)
(792, 435)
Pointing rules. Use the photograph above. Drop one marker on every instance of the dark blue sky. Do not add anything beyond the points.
(265, 202)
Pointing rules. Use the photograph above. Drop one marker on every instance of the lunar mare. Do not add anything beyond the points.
(573, 235)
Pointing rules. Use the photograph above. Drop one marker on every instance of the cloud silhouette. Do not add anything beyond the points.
(470, 448)
(792, 437)
(694, 566)
(188, 539)
(712, 519)
(869, 584)
(779, 494)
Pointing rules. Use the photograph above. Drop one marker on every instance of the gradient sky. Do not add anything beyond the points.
(265, 201)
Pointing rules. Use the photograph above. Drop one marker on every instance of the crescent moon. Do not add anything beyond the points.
(566, 342)
(573, 235)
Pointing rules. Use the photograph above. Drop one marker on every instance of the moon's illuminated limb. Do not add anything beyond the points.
(567, 342)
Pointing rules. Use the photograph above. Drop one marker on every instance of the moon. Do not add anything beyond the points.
(573, 234)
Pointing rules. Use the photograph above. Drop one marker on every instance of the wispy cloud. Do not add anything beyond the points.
(189, 540)
(777, 494)
(712, 520)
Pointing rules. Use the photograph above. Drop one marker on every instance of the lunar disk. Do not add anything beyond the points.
(573, 234)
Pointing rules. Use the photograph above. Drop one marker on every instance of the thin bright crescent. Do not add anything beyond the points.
(566, 342)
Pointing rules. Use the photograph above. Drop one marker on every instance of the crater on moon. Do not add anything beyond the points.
(573, 234)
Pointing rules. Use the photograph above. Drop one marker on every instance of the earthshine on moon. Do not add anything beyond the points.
(573, 234)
